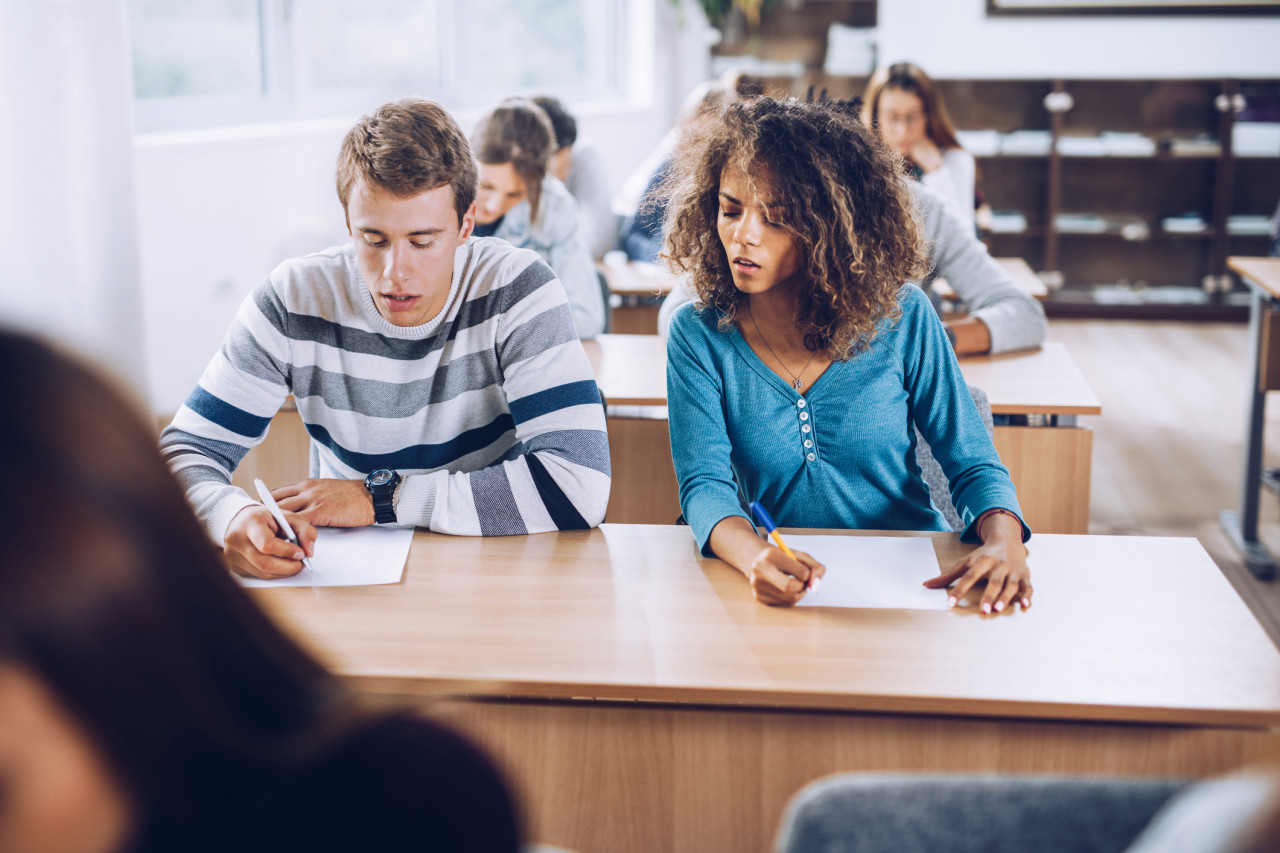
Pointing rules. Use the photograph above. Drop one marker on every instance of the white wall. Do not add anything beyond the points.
(217, 211)
(956, 39)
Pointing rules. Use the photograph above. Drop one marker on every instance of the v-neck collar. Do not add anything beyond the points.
(754, 361)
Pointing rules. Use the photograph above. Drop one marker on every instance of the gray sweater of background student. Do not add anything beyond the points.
(1014, 319)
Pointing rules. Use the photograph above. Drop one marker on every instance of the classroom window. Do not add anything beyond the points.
(205, 63)
(225, 58)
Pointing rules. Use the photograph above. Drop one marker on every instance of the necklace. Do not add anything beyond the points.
(796, 382)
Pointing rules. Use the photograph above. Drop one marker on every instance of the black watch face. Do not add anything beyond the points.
(381, 477)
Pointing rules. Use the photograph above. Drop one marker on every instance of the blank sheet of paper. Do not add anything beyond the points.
(873, 571)
(351, 556)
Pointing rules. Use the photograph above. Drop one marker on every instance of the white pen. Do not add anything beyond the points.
(287, 531)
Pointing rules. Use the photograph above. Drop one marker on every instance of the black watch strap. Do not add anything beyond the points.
(382, 488)
(384, 507)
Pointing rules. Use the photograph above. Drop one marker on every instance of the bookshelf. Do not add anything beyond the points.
(1127, 195)
(1140, 188)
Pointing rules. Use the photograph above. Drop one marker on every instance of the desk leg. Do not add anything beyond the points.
(1242, 526)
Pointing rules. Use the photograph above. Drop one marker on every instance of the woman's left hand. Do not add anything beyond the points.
(1001, 561)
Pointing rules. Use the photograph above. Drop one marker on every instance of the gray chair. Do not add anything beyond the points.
(607, 295)
(934, 478)
(868, 813)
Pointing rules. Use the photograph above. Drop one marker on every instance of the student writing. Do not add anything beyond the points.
(439, 376)
(797, 379)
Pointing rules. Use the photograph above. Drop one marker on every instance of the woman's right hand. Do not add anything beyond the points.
(779, 580)
(775, 578)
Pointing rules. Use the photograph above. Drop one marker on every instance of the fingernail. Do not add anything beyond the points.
(951, 602)
(986, 607)
(999, 606)
(1026, 602)
(817, 582)
(298, 555)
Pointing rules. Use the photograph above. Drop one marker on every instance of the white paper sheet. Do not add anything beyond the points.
(873, 571)
(351, 556)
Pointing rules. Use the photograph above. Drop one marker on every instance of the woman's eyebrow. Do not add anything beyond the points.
(724, 195)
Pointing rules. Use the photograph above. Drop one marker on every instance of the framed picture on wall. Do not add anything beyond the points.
(1133, 7)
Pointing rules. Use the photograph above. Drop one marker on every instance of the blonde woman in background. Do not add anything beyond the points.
(519, 201)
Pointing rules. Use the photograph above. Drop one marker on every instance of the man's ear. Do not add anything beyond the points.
(468, 224)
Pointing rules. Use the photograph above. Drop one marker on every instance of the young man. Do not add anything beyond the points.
(440, 377)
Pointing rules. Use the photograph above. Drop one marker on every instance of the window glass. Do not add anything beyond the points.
(196, 47)
(387, 45)
(552, 45)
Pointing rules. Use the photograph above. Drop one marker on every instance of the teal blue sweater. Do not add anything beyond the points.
(844, 454)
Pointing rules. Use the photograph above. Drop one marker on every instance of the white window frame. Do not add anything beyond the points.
(626, 60)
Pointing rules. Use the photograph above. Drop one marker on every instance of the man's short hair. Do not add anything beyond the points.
(408, 147)
(562, 122)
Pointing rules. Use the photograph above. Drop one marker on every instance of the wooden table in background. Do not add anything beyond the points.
(642, 701)
(640, 288)
(1019, 270)
(1050, 464)
(1263, 277)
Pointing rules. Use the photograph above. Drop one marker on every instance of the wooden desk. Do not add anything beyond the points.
(642, 701)
(639, 288)
(1050, 464)
(1263, 277)
(1019, 270)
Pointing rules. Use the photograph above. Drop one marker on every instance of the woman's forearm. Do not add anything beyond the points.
(734, 540)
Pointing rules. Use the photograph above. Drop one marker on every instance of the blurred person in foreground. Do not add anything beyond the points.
(146, 703)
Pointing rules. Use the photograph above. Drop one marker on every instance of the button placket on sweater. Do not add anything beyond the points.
(806, 430)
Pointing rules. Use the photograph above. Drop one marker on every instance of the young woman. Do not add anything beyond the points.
(146, 703)
(903, 103)
(797, 379)
(518, 201)
(581, 168)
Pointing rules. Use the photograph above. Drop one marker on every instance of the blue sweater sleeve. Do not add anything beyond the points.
(943, 409)
(700, 446)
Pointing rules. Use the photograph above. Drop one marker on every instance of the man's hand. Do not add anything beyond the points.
(328, 503)
(253, 547)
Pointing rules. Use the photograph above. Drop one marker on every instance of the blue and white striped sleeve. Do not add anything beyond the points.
(557, 476)
(229, 411)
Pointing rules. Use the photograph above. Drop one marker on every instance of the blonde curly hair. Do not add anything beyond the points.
(849, 212)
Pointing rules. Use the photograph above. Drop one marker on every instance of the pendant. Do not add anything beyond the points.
(797, 383)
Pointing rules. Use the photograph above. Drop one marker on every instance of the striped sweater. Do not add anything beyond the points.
(489, 411)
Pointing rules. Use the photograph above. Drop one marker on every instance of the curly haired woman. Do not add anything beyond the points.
(798, 377)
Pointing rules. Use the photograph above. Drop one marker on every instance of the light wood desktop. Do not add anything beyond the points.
(1050, 465)
(643, 701)
(1263, 277)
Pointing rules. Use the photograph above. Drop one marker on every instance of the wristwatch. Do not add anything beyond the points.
(382, 486)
